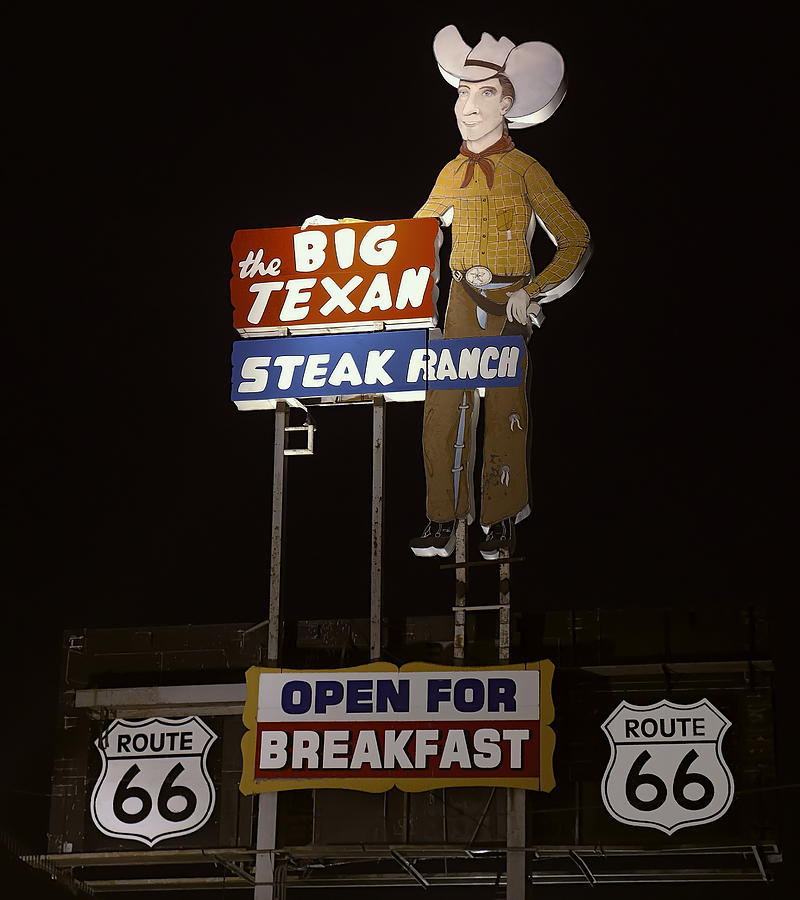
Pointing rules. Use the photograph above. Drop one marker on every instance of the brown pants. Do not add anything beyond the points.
(504, 492)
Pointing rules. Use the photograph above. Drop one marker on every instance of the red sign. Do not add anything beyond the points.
(335, 277)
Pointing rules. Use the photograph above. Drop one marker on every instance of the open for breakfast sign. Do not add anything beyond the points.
(418, 727)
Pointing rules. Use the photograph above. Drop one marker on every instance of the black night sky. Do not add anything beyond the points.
(142, 136)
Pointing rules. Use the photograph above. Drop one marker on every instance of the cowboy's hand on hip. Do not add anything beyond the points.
(517, 306)
(318, 220)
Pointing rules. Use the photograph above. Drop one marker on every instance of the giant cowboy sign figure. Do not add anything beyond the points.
(492, 195)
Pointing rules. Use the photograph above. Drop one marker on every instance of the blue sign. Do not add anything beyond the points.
(380, 362)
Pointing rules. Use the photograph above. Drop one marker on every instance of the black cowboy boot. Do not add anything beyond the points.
(501, 536)
(438, 539)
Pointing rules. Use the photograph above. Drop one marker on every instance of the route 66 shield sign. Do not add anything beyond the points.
(154, 783)
(666, 769)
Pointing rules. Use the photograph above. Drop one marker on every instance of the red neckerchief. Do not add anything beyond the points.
(487, 166)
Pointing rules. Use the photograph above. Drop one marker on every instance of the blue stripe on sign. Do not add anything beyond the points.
(370, 363)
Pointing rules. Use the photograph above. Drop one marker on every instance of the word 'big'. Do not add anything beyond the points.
(309, 251)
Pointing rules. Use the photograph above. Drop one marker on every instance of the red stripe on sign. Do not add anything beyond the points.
(471, 749)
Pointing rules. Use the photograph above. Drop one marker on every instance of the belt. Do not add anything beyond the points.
(483, 297)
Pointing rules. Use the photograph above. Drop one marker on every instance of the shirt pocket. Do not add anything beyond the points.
(505, 220)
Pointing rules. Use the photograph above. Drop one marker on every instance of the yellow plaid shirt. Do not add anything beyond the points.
(490, 226)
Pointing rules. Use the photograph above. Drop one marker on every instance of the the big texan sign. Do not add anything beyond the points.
(346, 277)
(375, 727)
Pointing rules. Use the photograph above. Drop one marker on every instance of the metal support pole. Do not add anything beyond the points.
(268, 801)
(515, 844)
(459, 637)
(376, 585)
(278, 515)
(515, 797)
(265, 846)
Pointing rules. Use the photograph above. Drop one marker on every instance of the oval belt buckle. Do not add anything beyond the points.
(478, 276)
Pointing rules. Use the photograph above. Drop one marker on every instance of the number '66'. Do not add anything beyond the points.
(126, 791)
(683, 778)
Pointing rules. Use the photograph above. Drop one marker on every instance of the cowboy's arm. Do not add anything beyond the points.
(442, 210)
(565, 228)
(439, 204)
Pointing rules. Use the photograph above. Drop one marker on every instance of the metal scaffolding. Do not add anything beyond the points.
(407, 866)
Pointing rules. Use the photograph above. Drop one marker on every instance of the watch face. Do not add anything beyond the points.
(477, 276)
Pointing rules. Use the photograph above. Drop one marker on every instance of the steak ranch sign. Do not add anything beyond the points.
(389, 362)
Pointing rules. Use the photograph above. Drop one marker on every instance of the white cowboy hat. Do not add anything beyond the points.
(535, 69)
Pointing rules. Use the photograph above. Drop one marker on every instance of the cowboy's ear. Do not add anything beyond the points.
(506, 104)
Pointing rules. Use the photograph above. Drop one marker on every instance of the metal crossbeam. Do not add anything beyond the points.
(767, 853)
(437, 865)
(440, 879)
(470, 564)
(236, 869)
(409, 867)
(489, 606)
(166, 700)
(584, 868)
(229, 699)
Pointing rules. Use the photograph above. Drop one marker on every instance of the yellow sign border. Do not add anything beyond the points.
(547, 738)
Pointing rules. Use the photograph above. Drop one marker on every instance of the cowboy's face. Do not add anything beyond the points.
(480, 108)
